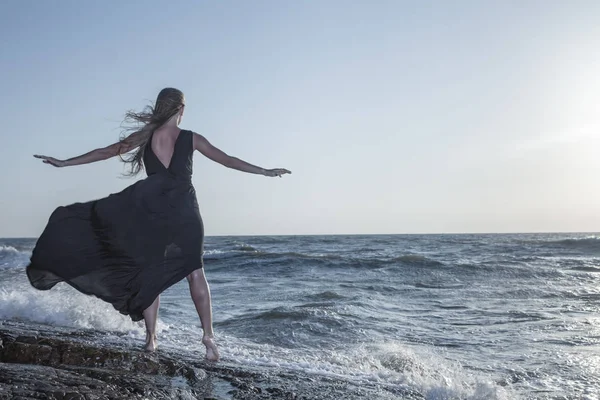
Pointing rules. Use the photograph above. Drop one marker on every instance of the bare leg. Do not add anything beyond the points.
(150, 316)
(201, 296)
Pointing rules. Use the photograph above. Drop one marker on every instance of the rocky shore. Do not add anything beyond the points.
(38, 362)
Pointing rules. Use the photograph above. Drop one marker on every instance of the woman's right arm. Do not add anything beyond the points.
(203, 146)
(115, 149)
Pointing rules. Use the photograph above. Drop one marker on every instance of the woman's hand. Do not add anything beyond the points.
(51, 160)
(276, 172)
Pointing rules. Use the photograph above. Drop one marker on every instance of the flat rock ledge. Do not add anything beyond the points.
(38, 363)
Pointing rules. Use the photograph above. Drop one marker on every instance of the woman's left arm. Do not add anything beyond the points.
(207, 149)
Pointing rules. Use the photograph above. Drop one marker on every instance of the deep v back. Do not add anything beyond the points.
(181, 160)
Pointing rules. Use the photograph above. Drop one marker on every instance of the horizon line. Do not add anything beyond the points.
(374, 234)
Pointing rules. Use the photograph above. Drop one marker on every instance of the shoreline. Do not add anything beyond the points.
(38, 361)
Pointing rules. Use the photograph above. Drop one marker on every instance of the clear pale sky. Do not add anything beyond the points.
(394, 116)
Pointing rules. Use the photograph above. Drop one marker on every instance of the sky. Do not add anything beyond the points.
(394, 116)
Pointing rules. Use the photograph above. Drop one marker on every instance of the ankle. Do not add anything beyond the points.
(207, 336)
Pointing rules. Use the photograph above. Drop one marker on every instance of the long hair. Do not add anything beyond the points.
(168, 103)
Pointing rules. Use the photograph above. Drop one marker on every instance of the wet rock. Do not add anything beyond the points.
(37, 366)
(38, 362)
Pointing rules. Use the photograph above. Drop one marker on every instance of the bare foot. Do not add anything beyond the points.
(151, 344)
(212, 352)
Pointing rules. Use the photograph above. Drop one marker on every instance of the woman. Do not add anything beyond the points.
(130, 246)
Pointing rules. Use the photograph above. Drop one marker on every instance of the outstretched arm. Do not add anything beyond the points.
(210, 151)
(122, 147)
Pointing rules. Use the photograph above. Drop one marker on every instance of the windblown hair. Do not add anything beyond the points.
(142, 124)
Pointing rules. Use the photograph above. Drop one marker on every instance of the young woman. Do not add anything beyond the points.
(129, 247)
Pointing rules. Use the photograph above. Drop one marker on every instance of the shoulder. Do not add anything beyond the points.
(190, 133)
(197, 140)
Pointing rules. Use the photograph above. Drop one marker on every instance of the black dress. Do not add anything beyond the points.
(130, 246)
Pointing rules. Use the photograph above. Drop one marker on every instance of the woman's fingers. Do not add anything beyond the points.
(49, 160)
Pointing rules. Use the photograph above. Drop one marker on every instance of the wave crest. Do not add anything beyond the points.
(584, 244)
(11, 257)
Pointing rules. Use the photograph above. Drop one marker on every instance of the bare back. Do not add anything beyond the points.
(163, 144)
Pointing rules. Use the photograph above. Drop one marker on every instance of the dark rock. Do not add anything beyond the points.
(275, 391)
(46, 367)
(38, 362)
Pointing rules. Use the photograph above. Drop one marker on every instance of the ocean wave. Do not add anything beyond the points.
(294, 326)
(282, 313)
(303, 256)
(306, 312)
(415, 259)
(249, 256)
(10, 257)
(578, 241)
(393, 366)
(246, 247)
(514, 269)
(425, 285)
(585, 244)
(585, 268)
(326, 295)
(63, 306)
(8, 249)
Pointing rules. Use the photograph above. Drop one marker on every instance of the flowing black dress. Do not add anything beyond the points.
(130, 246)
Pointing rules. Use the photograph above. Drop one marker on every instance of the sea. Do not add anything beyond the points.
(495, 316)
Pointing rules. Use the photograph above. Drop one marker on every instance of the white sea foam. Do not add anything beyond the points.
(10, 257)
(8, 249)
(390, 364)
(62, 306)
